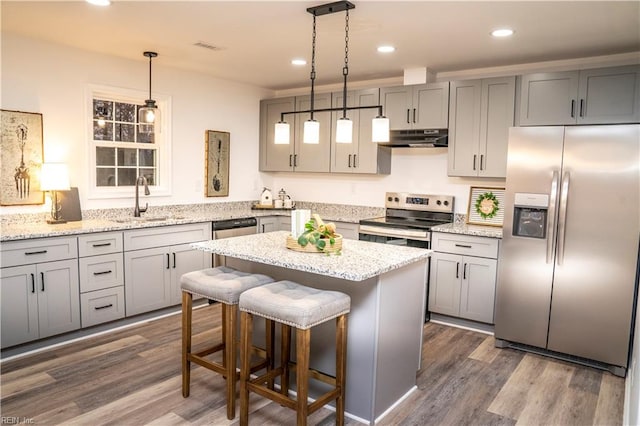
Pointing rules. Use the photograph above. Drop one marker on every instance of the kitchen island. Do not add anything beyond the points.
(387, 286)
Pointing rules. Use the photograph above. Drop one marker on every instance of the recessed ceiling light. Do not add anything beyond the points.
(99, 2)
(298, 62)
(502, 32)
(386, 49)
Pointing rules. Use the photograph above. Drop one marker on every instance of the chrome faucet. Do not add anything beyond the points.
(138, 210)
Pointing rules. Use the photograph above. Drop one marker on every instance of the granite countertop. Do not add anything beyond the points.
(463, 228)
(359, 260)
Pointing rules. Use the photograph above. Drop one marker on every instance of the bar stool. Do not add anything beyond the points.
(222, 284)
(300, 307)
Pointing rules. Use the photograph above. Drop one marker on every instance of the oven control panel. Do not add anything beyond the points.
(423, 202)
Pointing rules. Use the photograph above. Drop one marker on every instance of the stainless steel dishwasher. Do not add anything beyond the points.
(232, 228)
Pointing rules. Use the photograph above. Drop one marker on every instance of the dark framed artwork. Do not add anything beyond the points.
(20, 158)
(217, 163)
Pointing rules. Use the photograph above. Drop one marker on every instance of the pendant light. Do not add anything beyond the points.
(311, 131)
(344, 125)
(149, 114)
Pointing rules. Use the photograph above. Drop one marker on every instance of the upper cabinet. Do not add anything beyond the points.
(424, 106)
(596, 96)
(295, 156)
(481, 113)
(361, 155)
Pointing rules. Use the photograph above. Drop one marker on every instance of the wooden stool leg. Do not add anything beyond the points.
(303, 338)
(285, 350)
(229, 362)
(270, 328)
(341, 366)
(187, 300)
(246, 324)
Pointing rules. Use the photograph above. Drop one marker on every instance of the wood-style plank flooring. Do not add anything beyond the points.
(132, 377)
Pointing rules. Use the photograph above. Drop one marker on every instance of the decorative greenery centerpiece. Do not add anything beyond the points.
(487, 205)
(317, 237)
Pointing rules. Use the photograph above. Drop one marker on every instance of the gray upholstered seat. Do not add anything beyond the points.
(222, 284)
(294, 304)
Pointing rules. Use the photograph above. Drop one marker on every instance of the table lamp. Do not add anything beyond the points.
(54, 177)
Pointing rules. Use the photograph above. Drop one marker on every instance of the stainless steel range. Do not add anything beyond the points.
(408, 219)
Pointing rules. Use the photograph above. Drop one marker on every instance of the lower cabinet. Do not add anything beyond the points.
(269, 223)
(461, 284)
(152, 271)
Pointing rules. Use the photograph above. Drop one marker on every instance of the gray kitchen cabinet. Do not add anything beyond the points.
(424, 106)
(348, 230)
(594, 96)
(101, 269)
(463, 276)
(39, 289)
(361, 155)
(154, 260)
(481, 113)
(269, 224)
(295, 156)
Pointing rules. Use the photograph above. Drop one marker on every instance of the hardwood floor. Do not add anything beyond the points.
(132, 377)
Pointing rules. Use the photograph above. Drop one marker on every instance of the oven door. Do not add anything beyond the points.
(396, 236)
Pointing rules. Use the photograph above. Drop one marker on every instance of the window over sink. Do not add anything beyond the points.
(121, 149)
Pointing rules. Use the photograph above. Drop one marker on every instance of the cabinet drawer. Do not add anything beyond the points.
(39, 250)
(166, 235)
(465, 245)
(102, 306)
(99, 243)
(100, 272)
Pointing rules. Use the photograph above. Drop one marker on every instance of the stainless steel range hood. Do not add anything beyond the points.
(424, 138)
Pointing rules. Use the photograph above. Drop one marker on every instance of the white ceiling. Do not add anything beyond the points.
(257, 39)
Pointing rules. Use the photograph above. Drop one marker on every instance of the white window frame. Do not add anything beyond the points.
(162, 141)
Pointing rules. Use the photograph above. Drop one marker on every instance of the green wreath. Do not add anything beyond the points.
(487, 205)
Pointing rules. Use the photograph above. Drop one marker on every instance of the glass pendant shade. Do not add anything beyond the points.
(311, 134)
(282, 133)
(380, 129)
(344, 130)
(149, 116)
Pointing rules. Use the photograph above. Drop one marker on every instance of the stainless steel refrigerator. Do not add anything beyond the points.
(569, 255)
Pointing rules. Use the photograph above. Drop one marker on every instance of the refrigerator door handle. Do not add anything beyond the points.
(551, 223)
(562, 216)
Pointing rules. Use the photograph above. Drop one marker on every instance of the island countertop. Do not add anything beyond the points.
(359, 260)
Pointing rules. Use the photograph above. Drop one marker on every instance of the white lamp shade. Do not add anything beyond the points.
(282, 133)
(380, 129)
(311, 132)
(344, 130)
(54, 177)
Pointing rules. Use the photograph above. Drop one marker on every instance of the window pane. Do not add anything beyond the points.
(106, 177)
(144, 137)
(147, 157)
(125, 132)
(102, 109)
(150, 174)
(105, 156)
(126, 177)
(125, 112)
(102, 133)
(127, 157)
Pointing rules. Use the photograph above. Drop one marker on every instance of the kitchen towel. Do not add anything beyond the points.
(298, 219)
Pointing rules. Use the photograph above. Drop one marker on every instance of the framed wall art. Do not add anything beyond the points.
(20, 158)
(486, 206)
(217, 163)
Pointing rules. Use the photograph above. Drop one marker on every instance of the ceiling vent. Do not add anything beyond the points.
(206, 45)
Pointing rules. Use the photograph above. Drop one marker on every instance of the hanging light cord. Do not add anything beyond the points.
(345, 70)
(150, 56)
(313, 63)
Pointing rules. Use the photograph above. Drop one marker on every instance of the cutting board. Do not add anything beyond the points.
(70, 203)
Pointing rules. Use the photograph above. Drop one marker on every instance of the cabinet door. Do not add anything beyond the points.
(477, 296)
(276, 157)
(58, 290)
(347, 230)
(549, 99)
(444, 285)
(431, 106)
(184, 259)
(496, 116)
(396, 103)
(268, 224)
(369, 156)
(609, 95)
(147, 280)
(313, 157)
(342, 154)
(18, 305)
(464, 129)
